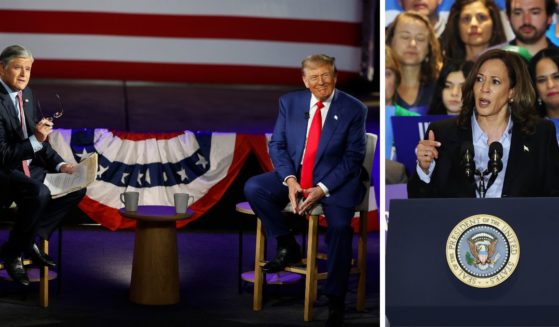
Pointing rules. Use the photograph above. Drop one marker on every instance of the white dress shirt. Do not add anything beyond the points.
(481, 158)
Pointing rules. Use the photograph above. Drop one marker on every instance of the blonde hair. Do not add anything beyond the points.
(318, 60)
(391, 63)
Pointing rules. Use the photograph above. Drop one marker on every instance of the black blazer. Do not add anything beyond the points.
(13, 146)
(532, 168)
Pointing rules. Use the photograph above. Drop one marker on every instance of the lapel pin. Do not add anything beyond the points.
(336, 117)
(526, 149)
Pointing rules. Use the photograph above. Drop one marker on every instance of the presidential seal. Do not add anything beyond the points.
(482, 251)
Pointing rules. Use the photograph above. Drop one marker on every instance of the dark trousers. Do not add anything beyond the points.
(37, 213)
(268, 196)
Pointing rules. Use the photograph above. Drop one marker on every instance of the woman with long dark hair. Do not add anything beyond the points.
(498, 100)
(447, 98)
(544, 69)
(472, 27)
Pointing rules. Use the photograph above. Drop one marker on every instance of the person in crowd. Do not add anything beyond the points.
(498, 105)
(428, 8)
(473, 26)
(417, 51)
(529, 20)
(552, 32)
(328, 173)
(447, 98)
(395, 171)
(25, 158)
(544, 69)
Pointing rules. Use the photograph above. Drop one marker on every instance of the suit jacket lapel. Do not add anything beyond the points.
(517, 155)
(300, 122)
(329, 128)
(10, 111)
(28, 111)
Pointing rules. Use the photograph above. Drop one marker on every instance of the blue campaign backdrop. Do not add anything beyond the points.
(556, 122)
(392, 5)
(408, 132)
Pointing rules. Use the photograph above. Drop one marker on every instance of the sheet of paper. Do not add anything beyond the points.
(61, 184)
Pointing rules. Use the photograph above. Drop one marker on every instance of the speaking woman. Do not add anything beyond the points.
(498, 106)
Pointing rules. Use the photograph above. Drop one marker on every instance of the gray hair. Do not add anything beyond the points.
(12, 52)
(318, 60)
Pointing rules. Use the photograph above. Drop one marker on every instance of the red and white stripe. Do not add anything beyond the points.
(221, 41)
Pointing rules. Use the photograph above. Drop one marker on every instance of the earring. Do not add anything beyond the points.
(511, 100)
(540, 102)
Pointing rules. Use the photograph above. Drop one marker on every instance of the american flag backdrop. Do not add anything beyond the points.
(210, 41)
(158, 165)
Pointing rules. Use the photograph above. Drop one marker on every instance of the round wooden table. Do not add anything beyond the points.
(155, 269)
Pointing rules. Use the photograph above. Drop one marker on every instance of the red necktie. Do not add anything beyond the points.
(24, 163)
(312, 146)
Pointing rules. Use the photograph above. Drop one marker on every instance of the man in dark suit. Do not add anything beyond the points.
(319, 167)
(25, 158)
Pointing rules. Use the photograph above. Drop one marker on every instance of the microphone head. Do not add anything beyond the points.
(495, 164)
(467, 155)
(467, 148)
(307, 115)
(496, 148)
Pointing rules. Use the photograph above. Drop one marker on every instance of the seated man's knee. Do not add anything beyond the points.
(79, 194)
(37, 191)
(252, 187)
(44, 193)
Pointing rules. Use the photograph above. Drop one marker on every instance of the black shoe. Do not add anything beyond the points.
(284, 257)
(40, 258)
(336, 312)
(14, 267)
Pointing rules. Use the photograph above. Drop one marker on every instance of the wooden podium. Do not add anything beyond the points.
(422, 290)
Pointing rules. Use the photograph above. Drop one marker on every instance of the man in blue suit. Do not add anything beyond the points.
(331, 176)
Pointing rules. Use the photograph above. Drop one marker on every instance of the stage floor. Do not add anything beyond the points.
(95, 278)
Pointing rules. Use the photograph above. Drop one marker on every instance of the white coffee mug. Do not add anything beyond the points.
(130, 200)
(182, 201)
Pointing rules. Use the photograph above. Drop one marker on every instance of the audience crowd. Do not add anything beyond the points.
(429, 56)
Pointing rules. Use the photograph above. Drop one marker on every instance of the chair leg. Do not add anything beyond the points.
(362, 261)
(311, 282)
(44, 279)
(240, 259)
(258, 259)
(59, 268)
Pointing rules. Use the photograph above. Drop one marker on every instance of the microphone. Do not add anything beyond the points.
(495, 164)
(307, 115)
(467, 154)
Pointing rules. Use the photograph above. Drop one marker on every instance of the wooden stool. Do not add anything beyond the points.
(279, 278)
(309, 270)
(41, 275)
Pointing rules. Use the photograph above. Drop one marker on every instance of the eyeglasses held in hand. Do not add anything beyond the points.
(57, 114)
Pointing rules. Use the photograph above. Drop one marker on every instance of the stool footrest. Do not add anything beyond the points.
(278, 278)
